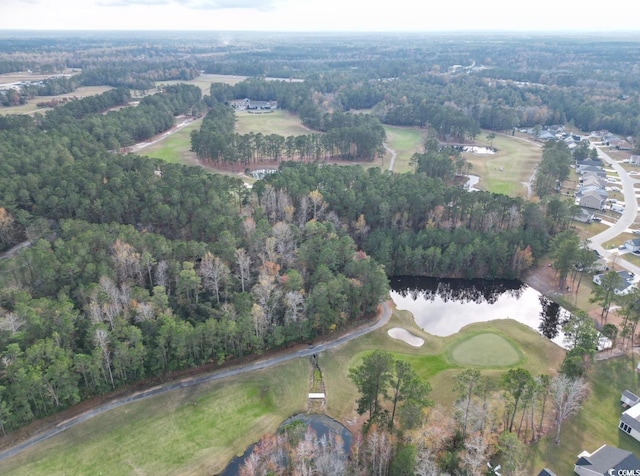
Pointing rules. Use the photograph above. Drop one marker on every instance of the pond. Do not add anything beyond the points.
(444, 306)
(322, 425)
(476, 149)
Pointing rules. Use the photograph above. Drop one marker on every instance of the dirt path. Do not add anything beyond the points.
(393, 156)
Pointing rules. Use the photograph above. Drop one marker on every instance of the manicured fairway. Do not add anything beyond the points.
(405, 141)
(485, 350)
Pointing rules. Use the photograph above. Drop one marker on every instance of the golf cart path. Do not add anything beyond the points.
(382, 319)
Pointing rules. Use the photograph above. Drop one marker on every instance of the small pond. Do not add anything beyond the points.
(444, 306)
(476, 149)
(322, 425)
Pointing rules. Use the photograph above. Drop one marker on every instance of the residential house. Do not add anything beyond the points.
(632, 245)
(634, 159)
(630, 418)
(589, 162)
(605, 461)
(629, 399)
(593, 170)
(593, 181)
(583, 216)
(627, 282)
(592, 199)
(546, 472)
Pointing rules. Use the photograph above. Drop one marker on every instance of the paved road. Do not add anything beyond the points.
(627, 218)
(152, 392)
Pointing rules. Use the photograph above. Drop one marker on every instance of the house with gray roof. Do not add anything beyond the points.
(632, 245)
(546, 472)
(629, 399)
(595, 199)
(605, 459)
(626, 285)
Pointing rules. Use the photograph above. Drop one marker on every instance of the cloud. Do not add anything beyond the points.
(262, 5)
(131, 3)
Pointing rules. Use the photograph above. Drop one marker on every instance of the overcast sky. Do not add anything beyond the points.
(319, 15)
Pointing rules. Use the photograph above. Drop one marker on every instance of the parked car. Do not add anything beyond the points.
(596, 219)
(635, 232)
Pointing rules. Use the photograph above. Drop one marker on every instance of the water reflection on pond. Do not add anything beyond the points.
(444, 306)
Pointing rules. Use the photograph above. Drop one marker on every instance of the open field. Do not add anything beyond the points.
(405, 141)
(31, 108)
(279, 122)
(507, 170)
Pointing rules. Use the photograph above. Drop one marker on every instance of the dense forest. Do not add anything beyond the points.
(133, 268)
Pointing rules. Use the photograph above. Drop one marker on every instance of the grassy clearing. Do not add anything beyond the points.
(595, 425)
(278, 122)
(192, 431)
(505, 171)
(176, 148)
(204, 81)
(405, 142)
(31, 108)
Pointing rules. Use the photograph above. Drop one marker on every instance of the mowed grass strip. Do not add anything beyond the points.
(192, 431)
(485, 350)
(505, 171)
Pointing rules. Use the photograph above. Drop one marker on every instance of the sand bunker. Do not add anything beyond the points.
(405, 335)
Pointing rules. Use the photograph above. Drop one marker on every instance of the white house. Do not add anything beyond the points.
(632, 245)
(630, 418)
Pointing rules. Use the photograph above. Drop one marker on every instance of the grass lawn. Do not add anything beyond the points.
(595, 425)
(192, 431)
(278, 122)
(176, 148)
(512, 165)
(405, 141)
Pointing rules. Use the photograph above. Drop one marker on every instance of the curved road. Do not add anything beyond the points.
(261, 364)
(627, 218)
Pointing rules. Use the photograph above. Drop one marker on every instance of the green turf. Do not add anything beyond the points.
(485, 350)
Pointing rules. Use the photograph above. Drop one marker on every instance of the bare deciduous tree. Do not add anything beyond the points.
(567, 395)
(244, 264)
(214, 274)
